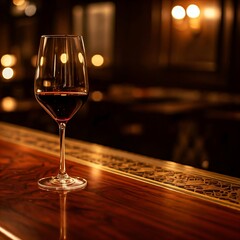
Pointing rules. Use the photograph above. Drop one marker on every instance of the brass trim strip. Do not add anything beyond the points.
(218, 188)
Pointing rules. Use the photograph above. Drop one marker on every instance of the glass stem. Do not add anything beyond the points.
(62, 169)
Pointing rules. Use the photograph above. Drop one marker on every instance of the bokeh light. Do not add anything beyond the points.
(97, 60)
(8, 104)
(19, 2)
(193, 11)
(8, 60)
(97, 96)
(30, 10)
(178, 12)
(7, 73)
(34, 60)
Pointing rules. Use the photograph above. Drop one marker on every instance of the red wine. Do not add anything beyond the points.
(61, 105)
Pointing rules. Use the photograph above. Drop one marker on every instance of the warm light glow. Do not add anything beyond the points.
(8, 104)
(47, 83)
(7, 73)
(195, 24)
(178, 12)
(96, 172)
(8, 60)
(30, 10)
(97, 60)
(205, 164)
(8, 234)
(18, 2)
(210, 13)
(64, 58)
(34, 60)
(20, 8)
(42, 61)
(97, 96)
(193, 11)
(80, 57)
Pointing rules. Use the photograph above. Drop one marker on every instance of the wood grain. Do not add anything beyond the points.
(110, 207)
(210, 186)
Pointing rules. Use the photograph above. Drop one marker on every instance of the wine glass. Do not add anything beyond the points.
(61, 88)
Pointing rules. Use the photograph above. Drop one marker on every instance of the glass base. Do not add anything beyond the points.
(62, 184)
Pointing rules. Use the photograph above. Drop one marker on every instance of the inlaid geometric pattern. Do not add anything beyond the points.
(210, 186)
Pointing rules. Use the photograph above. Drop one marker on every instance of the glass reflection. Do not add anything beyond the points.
(63, 215)
(63, 229)
(64, 58)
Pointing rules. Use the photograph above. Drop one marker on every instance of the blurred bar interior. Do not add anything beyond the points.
(164, 75)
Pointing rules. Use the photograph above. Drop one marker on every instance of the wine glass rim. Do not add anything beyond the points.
(60, 36)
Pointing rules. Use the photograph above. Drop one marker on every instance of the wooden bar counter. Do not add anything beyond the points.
(128, 196)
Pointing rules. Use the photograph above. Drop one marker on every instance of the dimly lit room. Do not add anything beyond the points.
(153, 135)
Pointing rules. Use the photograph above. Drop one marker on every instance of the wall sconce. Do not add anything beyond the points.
(193, 13)
(187, 19)
(178, 12)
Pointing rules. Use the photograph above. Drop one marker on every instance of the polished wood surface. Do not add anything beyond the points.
(112, 206)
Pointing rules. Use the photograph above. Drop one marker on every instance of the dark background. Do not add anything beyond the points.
(168, 88)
